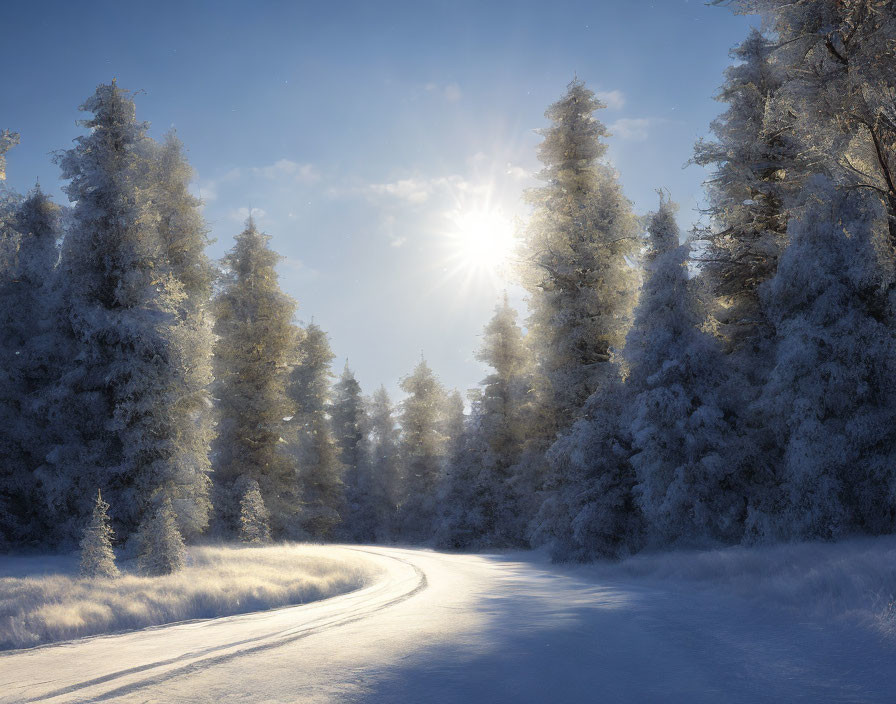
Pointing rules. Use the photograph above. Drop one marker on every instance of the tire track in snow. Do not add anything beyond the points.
(371, 600)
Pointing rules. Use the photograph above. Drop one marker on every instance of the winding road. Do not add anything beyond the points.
(470, 628)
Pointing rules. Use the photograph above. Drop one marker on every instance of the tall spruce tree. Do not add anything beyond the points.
(384, 467)
(839, 85)
(31, 354)
(588, 508)
(318, 468)
(581, 288)
(349, 417)
(256, 343)
(689, 486)
(423, 448)
(124, 313)
(483, 506)
(184, 238)
(755, 156)
(578, 243)
(463, 490)
(830, 401)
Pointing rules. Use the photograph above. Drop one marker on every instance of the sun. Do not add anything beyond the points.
(481, 241)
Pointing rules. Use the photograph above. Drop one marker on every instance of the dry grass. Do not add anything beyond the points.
(44, 600)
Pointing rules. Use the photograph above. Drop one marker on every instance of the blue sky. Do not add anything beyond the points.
(362, 133)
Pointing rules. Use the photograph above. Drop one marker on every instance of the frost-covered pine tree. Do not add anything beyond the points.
(689, 484)
(839, 86)
(183, 232)
(253, 515)
(463, 491)
(97, 556)
(255, 344)
(184, 238)
(483, 505)
(31, 352)
(588, 508)
(581, 288)
(319, 471)
(349, 419)
(162, 549)
(423, 448)
(385, 467)
(830, 401)
(135, 351)
(754, 154)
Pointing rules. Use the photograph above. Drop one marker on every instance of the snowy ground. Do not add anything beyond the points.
(796, 623)
(42, 600)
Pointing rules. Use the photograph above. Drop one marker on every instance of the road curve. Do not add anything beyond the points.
(471, 628)
(100, 668)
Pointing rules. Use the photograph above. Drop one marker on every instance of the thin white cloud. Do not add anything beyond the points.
(613, 99)
(411, 190)
(418, 190)
(634, 129)
(286, 168)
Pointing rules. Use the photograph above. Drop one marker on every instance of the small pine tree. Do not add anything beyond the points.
(162, 548)
(97, 558)
(253, 515)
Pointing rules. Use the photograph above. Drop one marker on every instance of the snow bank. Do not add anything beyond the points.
(43, 600)
(851, 580)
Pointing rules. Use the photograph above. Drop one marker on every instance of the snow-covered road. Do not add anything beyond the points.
(467, 628)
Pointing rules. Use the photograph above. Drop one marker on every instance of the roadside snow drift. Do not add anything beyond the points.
(42, 599)
(850, 581)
